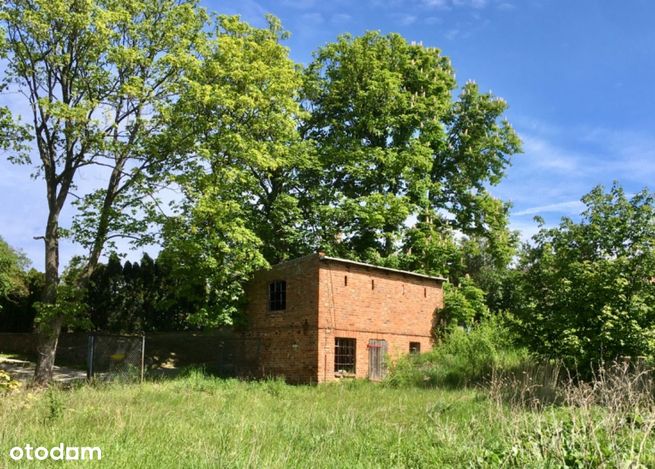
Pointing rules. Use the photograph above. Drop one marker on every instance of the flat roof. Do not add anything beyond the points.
(323, 257)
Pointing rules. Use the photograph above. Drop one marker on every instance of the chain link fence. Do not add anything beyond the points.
(111, 356)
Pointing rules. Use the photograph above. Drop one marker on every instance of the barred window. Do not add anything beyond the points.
(277, 295)
(414, 347)
(344, 355)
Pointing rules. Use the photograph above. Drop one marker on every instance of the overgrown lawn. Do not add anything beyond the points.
(200, 421)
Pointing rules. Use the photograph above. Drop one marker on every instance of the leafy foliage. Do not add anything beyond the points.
(7, 384)
(461, 358)
(17, 313)
(12, 272)
(151, 295)
(464, 305)
(393, 144)
(236, 120)
(587, 291)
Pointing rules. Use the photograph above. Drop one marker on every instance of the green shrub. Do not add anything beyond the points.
(586, 294)
(462, 357)
(465, 304)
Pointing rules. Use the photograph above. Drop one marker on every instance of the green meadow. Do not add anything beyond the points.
(201, 421)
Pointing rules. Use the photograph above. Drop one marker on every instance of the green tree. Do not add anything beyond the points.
(587, 291)
(394, 144)
(95, 73)
(464, 305)
(13, 278)
(17, 312)
(236, 122)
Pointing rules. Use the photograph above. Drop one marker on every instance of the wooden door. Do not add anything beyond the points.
(377, 353)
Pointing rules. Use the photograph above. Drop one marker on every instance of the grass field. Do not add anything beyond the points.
(199, 421)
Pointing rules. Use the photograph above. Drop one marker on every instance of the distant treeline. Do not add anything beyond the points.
(121, 297)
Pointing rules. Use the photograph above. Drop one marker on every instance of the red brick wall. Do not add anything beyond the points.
(298, 343)
(374, 304)
(288, 339)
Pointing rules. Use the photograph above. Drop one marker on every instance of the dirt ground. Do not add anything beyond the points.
(23, 371)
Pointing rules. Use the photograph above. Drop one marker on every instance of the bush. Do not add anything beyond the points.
(465, 304)
(463, 357)
(586, 290)
(7, 384)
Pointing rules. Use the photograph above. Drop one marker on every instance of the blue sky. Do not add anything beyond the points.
(578, 76)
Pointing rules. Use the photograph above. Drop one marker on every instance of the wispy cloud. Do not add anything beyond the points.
(340, 18)
(570, 207)
(548, 155)
(561, 164)
(407, 20)
(300, 4)
(446, 4)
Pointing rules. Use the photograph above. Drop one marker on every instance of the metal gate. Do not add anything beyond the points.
(377, 353)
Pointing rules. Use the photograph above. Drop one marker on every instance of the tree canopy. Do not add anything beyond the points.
(587, 289)
(394, 146)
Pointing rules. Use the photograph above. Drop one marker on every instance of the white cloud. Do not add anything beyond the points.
(452, 34)
(433, 20)
(547, 155)
(436, 3)
(470, 3)
(340, 18)
(312, 18)
(447, 4)
(570, 207)
(407, 20)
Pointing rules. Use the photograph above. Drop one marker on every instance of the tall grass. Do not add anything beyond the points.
(201, 421)
(462, 358)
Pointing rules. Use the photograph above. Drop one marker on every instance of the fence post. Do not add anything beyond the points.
(143, 355)
(90, 356)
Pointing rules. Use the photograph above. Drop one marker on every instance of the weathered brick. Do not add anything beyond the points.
(329, 298)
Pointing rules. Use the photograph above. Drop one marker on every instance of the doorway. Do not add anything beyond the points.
(377, 353)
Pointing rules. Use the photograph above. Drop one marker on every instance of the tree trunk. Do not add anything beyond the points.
(48, 337)
(50, 327)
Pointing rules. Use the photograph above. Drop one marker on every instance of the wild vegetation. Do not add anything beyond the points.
(372, 152)
(271, 160)
(200, 421)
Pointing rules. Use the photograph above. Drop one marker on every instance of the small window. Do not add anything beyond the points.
(277, 295)
(414, 347)
(345, 280)
(344, 355)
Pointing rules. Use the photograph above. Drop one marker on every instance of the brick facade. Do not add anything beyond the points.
(329, 298)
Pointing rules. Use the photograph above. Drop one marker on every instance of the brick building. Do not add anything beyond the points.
(320, 318)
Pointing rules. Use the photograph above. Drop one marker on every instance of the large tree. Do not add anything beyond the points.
(94, 74)
(587, 287)
(236, 120)
(397, 149)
